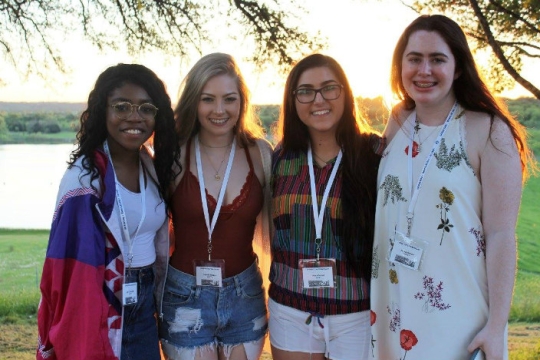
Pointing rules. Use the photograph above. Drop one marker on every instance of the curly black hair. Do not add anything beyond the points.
(93, 128)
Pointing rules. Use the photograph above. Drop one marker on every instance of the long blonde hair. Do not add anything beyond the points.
(248, 127)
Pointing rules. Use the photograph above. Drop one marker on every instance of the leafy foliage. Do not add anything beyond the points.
(44, 122)
(268, 115)
(3, 127)
(527, 110)
(375, 110)
(510, 29)
(29, 29)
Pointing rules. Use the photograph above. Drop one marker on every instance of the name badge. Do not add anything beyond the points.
(129, 293)
(317, 274)
(406, 251)
(209, 273)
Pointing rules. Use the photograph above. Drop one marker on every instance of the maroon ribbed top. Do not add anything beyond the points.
(233, 234)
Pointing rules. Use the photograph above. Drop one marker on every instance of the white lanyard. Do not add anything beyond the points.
(415, 191)
(121, 209)
(318, 216)
(210, 225)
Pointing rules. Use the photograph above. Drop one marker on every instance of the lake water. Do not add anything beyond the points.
(29, 179)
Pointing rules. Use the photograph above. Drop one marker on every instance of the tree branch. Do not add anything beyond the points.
(515, 15)
(499, 53)
(172, 26)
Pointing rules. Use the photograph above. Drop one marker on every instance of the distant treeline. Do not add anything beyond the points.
(39, 107)
(51, 118)
(41, 122)
(526, 110)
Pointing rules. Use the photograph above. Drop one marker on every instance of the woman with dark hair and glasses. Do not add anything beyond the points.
(450, 186)
(324, 191)
(109, 240)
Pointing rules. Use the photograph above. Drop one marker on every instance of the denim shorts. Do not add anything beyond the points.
(139, 333)
(197, 316)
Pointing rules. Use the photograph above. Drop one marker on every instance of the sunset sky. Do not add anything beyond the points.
(361, 36)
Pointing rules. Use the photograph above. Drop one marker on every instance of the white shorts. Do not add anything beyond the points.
(342, 337)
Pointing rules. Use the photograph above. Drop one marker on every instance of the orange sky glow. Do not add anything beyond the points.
(361, 36)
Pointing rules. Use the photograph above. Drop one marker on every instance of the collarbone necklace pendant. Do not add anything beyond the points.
(416, 133)
(217, 176)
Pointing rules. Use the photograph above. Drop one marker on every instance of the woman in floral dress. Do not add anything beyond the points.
(450, 182)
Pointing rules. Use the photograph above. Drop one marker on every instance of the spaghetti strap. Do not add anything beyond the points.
(248, 156)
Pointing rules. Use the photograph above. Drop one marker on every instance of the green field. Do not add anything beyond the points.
(526, 301)
(528, 227)
(21, 260)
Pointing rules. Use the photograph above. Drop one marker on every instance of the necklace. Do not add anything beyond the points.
(321, 159)
(217, 177)
(417, 129)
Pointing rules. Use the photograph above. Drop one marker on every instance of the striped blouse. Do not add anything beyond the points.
(294, 239)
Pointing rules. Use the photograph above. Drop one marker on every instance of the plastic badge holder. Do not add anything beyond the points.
(478, 354)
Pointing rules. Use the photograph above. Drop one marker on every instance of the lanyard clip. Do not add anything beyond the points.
(410, 216)
(209, 250)
(318, 242)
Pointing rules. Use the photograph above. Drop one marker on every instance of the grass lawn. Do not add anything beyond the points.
(21, 259)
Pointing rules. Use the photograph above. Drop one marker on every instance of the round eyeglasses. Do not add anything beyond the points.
(124, 109)
(328, 92)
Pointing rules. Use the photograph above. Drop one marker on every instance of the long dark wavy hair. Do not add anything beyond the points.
(359, 163)
(93, 130)
(470, 90)
(248, 127)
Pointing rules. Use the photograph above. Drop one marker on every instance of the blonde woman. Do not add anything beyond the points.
(214, 300)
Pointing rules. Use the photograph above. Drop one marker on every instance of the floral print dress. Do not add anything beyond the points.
(433, 312)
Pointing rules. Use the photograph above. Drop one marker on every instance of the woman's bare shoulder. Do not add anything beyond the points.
(397, 117)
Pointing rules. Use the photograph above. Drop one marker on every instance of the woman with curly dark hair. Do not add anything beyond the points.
(109, 242)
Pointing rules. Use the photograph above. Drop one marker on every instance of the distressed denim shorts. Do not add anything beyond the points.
(197, 316)
(140, 336)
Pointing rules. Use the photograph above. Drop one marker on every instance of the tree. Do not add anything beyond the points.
(177, 27)
(510, 29)
(3, 126)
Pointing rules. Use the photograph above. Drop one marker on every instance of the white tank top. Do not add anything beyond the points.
(144, 251)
